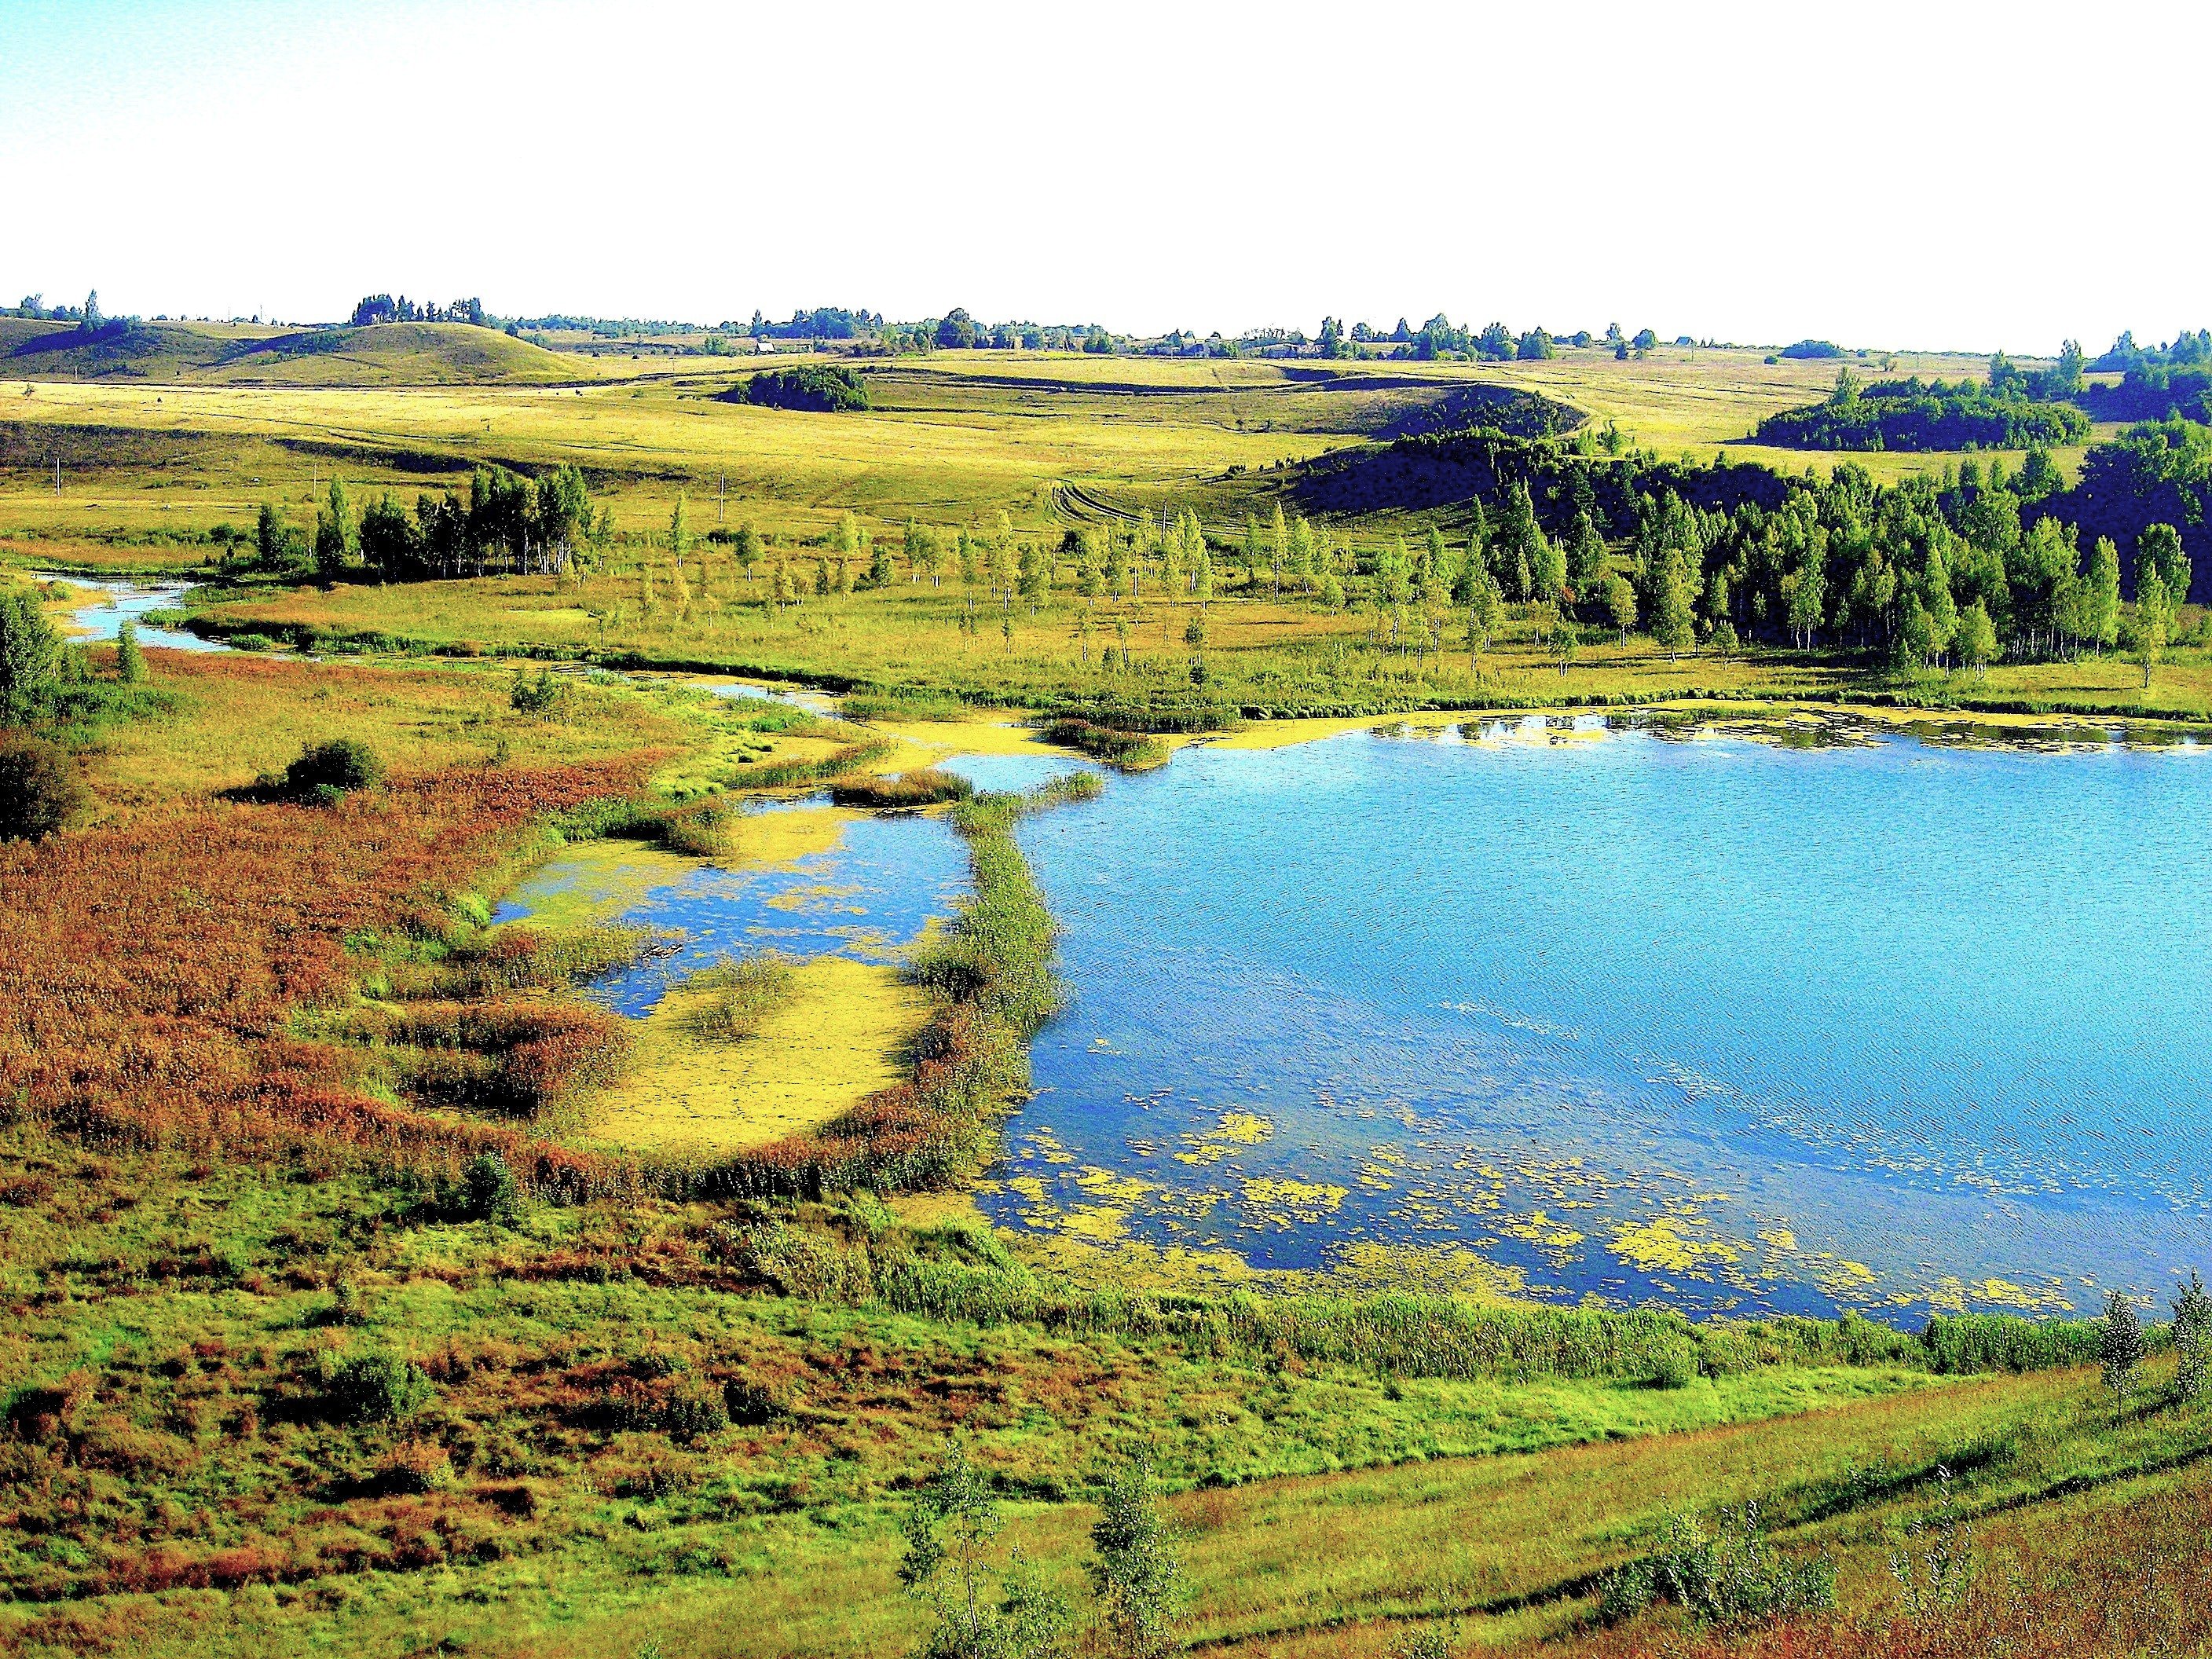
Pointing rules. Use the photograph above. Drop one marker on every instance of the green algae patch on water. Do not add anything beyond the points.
(842, 1032)
(594, 882)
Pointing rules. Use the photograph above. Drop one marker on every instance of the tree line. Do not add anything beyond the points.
(1913, 414)
(383, 308)
(506, 525)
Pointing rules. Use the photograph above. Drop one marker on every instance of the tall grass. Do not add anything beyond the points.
(1400, 1333)
(734, 995)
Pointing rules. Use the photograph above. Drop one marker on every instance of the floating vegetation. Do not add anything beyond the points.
(736, 994)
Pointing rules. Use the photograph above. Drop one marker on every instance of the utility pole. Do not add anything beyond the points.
(58, 478)
(722, 499)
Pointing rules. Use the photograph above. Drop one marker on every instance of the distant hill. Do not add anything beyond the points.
(385, 354)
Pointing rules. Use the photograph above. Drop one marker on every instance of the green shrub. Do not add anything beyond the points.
(129, 660)
(2120, 1345)
(488, 1190)
(1675, 1366)
(1729, 1577)
(326, 770)
(536, 694)
(1427, 1642)
(377, 1387)
(691, 1412)
(39, 792)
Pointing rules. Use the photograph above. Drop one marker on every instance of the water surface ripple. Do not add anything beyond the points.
(1888, 1025)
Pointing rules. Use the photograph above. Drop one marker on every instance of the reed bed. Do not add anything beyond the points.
(924, 786)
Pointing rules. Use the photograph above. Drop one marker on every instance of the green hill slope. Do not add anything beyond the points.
(389, 354)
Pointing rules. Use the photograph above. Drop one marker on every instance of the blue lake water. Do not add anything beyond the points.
(1893, 1026)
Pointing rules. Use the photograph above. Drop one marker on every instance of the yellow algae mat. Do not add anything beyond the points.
(595, 881)
(843, 1034)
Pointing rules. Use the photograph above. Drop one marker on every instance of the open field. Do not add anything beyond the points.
(1288, 656)
(955, 438)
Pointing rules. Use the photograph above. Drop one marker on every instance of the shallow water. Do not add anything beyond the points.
(869, 897)
(124, 599)
(1885, 1025)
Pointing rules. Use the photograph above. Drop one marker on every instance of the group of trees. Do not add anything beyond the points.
(815, 387)
(87, 316)
(383, 308)
(985, 1606)
(509, 525)
(1928, 571)
(1913, 414)
(47, 681)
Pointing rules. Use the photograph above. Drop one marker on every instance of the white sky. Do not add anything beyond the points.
(1928, 175)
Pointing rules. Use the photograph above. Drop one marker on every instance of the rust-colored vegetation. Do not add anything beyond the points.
(151, 971)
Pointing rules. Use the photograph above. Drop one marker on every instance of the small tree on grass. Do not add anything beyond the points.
(951, 1532)
(1136, 1571)
(1620, 604)
(2192, 1339)
(1935, 1564)
(129, 660)
(1978, 638)
(1671, 620)
(30, 655)
(2120, 1345)
(2151, 619)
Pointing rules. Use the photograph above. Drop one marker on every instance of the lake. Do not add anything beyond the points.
(1890, 1024)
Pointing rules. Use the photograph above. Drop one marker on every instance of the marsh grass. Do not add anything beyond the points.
(1126, 751)
(730, 999)
(922, 786)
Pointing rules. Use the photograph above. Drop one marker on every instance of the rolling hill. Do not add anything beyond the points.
(388, 354)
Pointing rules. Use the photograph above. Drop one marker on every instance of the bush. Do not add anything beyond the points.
(536, 694)
(690, 1412)
(1675, 1366)
(129, 660)
(326, 770)
(376, 1388)
(488, 1191)
(2120, 1345)
(1730, 1576)
(39, 793)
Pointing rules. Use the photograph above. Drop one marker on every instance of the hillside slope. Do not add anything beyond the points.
(389, 354)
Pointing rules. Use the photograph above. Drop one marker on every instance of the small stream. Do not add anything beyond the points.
(126, 598)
